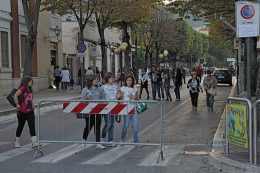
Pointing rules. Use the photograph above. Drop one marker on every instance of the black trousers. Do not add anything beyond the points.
(57, 82)
(141, 90)
(22, 118)
(194, 98)
(92, 120)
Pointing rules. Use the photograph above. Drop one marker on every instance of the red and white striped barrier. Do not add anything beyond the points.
(99, 108)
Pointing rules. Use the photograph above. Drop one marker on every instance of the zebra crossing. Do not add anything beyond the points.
(105, 157)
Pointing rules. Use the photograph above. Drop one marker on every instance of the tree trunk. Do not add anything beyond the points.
(151, 58)
(28, 60)
(103, 49)
(126, 39)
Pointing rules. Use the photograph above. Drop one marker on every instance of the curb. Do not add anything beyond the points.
(13, 110)
(219, 160)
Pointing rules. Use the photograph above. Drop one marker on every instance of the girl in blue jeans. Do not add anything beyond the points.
(128, 93)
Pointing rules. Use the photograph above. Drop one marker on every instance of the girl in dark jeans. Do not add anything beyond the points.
(178, 83)
(92, 92)
(25, 110)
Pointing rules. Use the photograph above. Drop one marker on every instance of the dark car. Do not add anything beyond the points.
(223, 76)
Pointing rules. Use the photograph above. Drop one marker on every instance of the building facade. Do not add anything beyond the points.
(13, 34)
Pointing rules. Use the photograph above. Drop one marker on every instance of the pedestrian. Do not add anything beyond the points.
(79, 75)
(183, 72)
(25, 111)
(57, 74)
(178, 84)
(65, 78)
(160, 88)
(199, 73)
(128, 93)
(92, 92)
(111, 93)
(153, 77)
(97, 73)
(166, 85)
(144, 82)
(210, 83)
(89, 72)
(194, 88)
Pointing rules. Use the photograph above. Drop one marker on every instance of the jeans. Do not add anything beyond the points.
(160, 90)
(127, 119)
(209, 100)
(108, 127)
(177, 91)
(154, 87)
(167, 92)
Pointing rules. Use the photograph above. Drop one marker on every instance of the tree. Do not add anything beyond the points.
(31, 15)
(128, 13)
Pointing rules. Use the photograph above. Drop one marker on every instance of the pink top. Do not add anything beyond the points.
(26, 105)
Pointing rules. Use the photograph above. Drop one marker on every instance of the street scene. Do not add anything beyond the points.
(130, 86)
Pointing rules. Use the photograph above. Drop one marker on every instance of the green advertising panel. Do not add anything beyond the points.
(237, 125)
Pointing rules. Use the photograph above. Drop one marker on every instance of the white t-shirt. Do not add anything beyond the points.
(128, 91)
(110, 91)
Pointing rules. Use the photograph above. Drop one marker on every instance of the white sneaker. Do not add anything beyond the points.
(111, 144)
(17, 143)
(100, 146)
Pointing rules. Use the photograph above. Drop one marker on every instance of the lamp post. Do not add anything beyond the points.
(119, 51)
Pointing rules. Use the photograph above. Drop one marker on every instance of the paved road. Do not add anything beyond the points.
(188, 135)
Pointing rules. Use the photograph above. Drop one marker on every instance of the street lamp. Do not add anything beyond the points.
(164, 56)
(119, 51)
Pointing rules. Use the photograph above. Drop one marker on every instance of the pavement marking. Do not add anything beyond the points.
(16, 152)
(62, 153)
(110, 156)
(169, 152)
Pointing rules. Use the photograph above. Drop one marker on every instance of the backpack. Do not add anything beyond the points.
(10, 97)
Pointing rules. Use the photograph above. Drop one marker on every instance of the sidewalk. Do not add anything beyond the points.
(235, 162)
(48, 94)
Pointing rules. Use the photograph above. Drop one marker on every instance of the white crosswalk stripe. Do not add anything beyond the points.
(169, 152)
(16, 152)
(110, 156)
(62, 153)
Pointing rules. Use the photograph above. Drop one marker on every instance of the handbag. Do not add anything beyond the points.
(118, 118)
(81, 115)
(212, 91)
(10, 97)
(141, 107)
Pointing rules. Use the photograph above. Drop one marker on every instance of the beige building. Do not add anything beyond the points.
(13, 33)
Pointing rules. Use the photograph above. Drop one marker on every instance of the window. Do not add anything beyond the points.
(23, 49)
(4, 49)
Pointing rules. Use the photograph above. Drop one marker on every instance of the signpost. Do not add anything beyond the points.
(81, 47)
(247, 22)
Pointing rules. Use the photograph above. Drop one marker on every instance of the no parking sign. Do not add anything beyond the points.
(247, 19)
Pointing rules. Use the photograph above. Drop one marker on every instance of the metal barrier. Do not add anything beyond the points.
(249, 113)
(57, 122)
(255, 131)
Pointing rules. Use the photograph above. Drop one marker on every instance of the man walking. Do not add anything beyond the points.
(57, 74)
(210, 84)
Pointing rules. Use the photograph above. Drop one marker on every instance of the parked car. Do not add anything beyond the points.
(223, 76)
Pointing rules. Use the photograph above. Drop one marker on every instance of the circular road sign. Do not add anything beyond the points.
(247, 11)
(81, 47)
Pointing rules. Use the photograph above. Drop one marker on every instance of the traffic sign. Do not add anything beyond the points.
(247, 19)
(81, 47)
(247, 11)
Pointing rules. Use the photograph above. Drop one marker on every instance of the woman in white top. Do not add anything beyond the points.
(65, 78)
(111, 92)
(127, 93)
